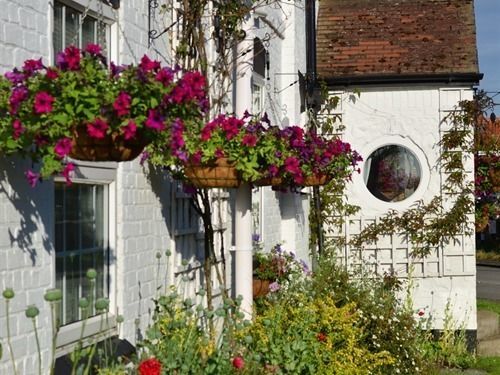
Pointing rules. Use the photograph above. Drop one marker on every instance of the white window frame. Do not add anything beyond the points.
(109, 17)
(98, 327)
(258, 81)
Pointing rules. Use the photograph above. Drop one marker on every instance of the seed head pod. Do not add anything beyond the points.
(91, 274)
(32, 311)
(102, 304)
(53, 295)
(83, 303)
(8, 293)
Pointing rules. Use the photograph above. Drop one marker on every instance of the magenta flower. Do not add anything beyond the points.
(122, 104)
(52, 74)
(32, 66)
(43, 102)
(249, 140)
(238, 363)
(155, 121)
(219, 153)
(273, 170)
(32, 177)
(196, 157)
(232, 127)
(129, 130)
(18, 95)
(97, 129)
(63, 147)
(292, 165)
(17, 129)
(15, 77)
(70, 167)
(93, 49)
(148, 65)
(144, 157)
(165, 76)
(72, 57)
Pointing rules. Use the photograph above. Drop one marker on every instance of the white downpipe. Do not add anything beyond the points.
(243, 217)
(243, 249)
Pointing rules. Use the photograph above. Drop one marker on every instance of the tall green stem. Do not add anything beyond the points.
(55, 330)
(11, 351)
(37, 346)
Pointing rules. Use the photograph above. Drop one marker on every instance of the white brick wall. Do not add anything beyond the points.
(411, 117)
(142, 205)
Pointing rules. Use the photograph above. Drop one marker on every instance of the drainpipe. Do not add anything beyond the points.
(243, 205)
(310, 85)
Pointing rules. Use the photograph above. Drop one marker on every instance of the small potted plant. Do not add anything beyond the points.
(274, 270)
(84, 109)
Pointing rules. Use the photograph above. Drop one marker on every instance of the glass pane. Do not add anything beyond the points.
(392, 173)
(57, 36)
(88, 31)
(100, 225)
(87, 262)
(101, 270)
(59, 284)
(72, 293)
(72, 27)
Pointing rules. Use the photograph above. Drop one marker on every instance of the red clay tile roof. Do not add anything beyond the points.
(358, 38)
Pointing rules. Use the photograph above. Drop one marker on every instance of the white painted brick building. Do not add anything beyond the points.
(141, 212)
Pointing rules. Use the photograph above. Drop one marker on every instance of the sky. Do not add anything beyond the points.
(488, 42)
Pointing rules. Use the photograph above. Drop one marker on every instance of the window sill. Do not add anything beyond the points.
(96, 328)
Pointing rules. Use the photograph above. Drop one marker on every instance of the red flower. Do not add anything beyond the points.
(52, 74)
(165, 76)
(149, 366)
(72, 57)
(43, 102)
(321, 337)
(122, 104)
(97, 129)
(32, 177)
(238, 363)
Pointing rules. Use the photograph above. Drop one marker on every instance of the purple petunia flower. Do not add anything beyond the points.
(32, 177)
(63, 147)
(43, 102)
(155, 121)
(274, 287)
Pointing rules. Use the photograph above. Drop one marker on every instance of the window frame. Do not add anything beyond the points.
(69, 335)
(109, 17)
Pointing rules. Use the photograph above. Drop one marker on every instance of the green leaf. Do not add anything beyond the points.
(11, 144)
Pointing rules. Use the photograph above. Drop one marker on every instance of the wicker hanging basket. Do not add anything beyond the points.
(220, 174)
(278, 181)
(113, 147)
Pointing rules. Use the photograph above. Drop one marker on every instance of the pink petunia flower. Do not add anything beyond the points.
(165, 76)
(32, 177)
(43, 102)
(155, 121)
(93, 49)
(249, 140)
(18, 95)
(97, 129)
(32, 66)
(72, 57)
(52, 74)
(17, 129)
(63, 147)
(147, 64)
(122, 104)
(68, 169)
(129, 130)
(219, 153)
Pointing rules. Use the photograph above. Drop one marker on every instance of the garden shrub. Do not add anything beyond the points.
(304, 334)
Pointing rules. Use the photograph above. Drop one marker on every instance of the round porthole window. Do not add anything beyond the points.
(392, 173)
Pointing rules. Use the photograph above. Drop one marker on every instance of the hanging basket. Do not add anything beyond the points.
(113, 147)
(308, 181)
(220, 174)
(260, 288)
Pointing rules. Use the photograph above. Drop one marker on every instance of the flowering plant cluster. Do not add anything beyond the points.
(41, 107)
(278, 266)
(487, 188)
(259, 150)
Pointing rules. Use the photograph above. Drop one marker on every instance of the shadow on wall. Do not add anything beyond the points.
(28, 212)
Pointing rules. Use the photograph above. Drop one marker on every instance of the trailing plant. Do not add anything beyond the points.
(46, 110)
